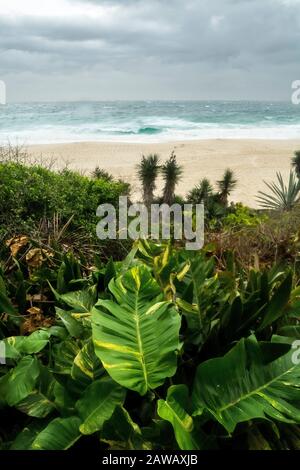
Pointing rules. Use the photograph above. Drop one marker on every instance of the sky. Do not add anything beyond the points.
(61, 50)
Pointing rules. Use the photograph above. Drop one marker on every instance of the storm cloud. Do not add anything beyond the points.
(159, 49)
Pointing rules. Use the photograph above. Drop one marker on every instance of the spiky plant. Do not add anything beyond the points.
(99, 173)
(171, 173)
(226, 185)
(147, 171)
(201, 192)
(296, 162)
(282, 197)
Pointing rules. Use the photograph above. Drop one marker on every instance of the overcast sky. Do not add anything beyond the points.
(149, 49)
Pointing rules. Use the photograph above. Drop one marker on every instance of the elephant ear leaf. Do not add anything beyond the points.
(136, 335)
(279, 302)
(174, 410)
(98, 404)
(241, 386)
(60, 434)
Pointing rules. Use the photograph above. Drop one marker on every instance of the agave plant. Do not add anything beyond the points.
(172, 173)
(226, 185)
(282, 197)
(147, 172)
(201, 192)
(296, 163)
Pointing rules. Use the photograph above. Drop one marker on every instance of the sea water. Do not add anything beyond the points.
(147, 121)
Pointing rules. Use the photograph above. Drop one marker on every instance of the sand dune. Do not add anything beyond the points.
(252, 160)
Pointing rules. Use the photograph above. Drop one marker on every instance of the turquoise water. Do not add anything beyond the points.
(147, 121)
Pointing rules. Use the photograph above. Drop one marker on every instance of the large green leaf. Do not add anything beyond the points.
(98, 404)
(81, 301)
(60, 434)
(173, 409)
(39, 402)
(241, 385)
(17, 345)
(73, 326)
(64, 354)
(120, 432)
(29, 387)
(136, 336)
(22, 380)
(25, 438)
(278, 303)
(86, 366)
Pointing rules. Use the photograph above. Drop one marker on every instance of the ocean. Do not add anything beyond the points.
(146, 121)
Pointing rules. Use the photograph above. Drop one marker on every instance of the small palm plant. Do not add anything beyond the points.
(171, 173)
(226, 185)
(296, 162)
(201, 192)
(147, 171)
(99, 173)
(282, 197)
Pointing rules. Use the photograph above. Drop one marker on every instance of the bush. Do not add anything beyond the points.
(242, 216)
(29, 194)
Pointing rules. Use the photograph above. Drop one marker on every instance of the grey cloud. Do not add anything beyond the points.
(244, 38)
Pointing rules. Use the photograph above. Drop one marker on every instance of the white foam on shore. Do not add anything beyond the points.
(48, 135)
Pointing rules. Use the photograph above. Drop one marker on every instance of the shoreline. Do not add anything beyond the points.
(252, 160)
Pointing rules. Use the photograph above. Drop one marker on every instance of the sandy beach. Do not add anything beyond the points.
(252, 161)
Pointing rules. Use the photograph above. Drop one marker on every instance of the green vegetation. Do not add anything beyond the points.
(132, 346)
(157, 348)
(172, 173)
(226, 185)
(296, 162)
(57, 208)
(282, 197)
(148, 171)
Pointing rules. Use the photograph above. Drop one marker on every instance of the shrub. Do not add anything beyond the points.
(29, 194)
(242, 216)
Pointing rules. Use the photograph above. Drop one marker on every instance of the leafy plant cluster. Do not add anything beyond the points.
(163, 350)
(31, 195)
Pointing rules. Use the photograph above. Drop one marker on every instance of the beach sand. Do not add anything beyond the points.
(252, 161)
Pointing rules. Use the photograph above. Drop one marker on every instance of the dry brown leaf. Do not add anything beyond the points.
(36, 298)
(34, 311)
(36, 257)
(16, 243)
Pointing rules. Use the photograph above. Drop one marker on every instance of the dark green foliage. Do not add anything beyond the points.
(113, 363)
(226, 185)
(99, 173)
(282, 197)
(201, 192)
(31, 194)
(147, 171)
(171, 173)
(296, 162)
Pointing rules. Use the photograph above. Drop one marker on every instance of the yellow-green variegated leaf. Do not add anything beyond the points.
(243, 385)
(86, 365)
(136, 335)
(120, 432)
(60, 434)
(174, 410)
(39, 402)
(22, 380)
(98, 404)
(29, 387)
